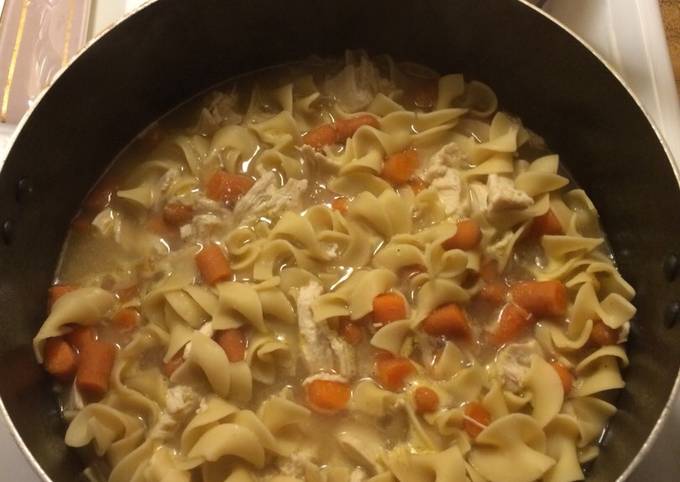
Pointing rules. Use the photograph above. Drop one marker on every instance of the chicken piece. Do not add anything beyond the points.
(295, 465)
(513, 363)
(266, 199)
(448, 156)
(180, 402)
(345, 356)
(503, 195)
(356, 85)
(442, 174)
(314, 338)
(315, 157)
(329, 377)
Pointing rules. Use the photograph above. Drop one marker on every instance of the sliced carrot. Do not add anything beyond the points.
(388, 307)
(546, 224)
(126, 319)
(60, 360)
(448, 320)
(340, 204)
(399, 167)
(602, 335)
(94, 368)
(57, 291)
(351, 332)
(226, 187)
(127, 293)
(345, 128)
(477, 418)
(392, 372)
(467, 236)
(426, 400)
(417, 185)
(513, 321)
(323, 135)
(171, 365)
(233, 343)
(156, 224)
(488, 271)
(565, 375)
(541, 298)
(177, 214)
(213, 264)
(328, 396)
(81, 336)
(494, 292)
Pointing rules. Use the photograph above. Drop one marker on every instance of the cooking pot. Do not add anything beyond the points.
(173, 49)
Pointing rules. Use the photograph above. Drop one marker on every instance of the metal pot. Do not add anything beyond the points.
(173, 49)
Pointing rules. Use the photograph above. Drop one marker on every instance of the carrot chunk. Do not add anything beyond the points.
(226, 187)
(177, 214)
(448, 320)
(477, 418)
(513, 321)
(602, 335)
(340, 204)
(327, 396)
(351, 332)
(57, 291)
(81, 336)
(213, 264)
(467, 237)
(323, 135)
(388, 307)
(541, 298)
(392, 372)
(426, 400)
(565, 375)
(60, 359)
(233, 343)
(399, 167)
(126, 319)
(488, 271)
(345, 128)
(171, 365)
(546, 224)
(94, 368)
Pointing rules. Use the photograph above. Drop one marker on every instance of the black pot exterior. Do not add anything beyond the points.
(173, 49)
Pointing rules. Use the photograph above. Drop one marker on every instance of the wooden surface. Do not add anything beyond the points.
(670, 10)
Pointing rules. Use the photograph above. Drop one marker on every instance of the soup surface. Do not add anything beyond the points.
(337, 271)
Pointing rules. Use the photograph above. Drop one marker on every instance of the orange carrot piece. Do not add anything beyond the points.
(177, 214)
(351, 332)
(417, 185)
(477, 418)
(494, 292)
(448, 320)
(171, 365)
(226, 187)
(340, 204)
(323, 135)
(345, 128)
(488, 271)
(602, 335)
(546, 224)
(565, 375)
(541, 298)
(467, 237)
(426, 400)
(81, 336)
(57, 291)
(399, 167)
(94, 368)
(327, 396)
(392, 372)
(60, 360)
(388, 307)
(213, 264)
(233, 343)
(126, 319)
(513, 321)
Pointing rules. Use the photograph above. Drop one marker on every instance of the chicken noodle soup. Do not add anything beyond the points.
(337, 271)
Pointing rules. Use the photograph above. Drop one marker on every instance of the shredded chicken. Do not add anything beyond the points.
(513, 363)
(265, 198)
(503, 195)
(316, 350)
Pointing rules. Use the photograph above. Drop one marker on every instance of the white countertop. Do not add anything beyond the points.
(630, 37)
